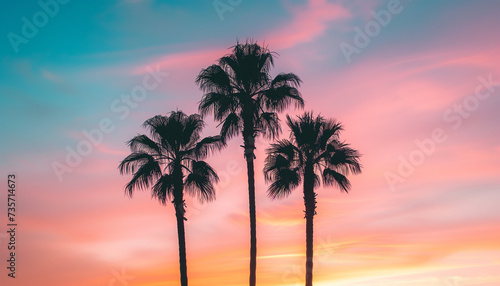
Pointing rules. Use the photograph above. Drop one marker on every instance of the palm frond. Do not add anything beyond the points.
(269, 125)
(208, 145)
(219, 104)
(281, 154)
(145, 171)
(330, 131)
(190, 134)
(231, 126)
(283, 79)
(134, 161)
(164, 130)
(230, 65)
(331, 177)
(163, 189)
(345, 159)
(200, 181)
(282, 168)
(284, 181)
(214, 79)
(281, 97)
(145, 144)
(303, 131)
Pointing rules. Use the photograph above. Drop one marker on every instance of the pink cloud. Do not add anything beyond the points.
(308, 23)
(182, 60)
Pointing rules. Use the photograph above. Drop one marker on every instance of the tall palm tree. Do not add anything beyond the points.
(241, 94)
(169, 162)
(314, 147)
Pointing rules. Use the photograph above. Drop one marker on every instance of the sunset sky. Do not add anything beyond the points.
(416, 85)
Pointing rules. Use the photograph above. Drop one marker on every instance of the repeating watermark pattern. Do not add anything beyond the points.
(223, 6)
(295, 275)
(30, 27)
(372, 29)
(454, 115)
(120, 278)
(233, 169)
(121, 107)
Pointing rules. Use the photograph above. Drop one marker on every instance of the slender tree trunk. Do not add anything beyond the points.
(253, 223)
(310, 206)
(179, 213)
(182, 243)
(309, 248)
(249, 142)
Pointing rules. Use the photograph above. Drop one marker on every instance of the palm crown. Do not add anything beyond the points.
(241, 94)
(314, 145)
(173, 149)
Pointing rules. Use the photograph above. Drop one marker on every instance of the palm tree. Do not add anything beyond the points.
(314, 147)
(169, 161)
(243, 97)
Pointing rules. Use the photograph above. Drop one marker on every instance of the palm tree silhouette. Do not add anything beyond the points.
(170, 161)
(314, 146)
(241, 94)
